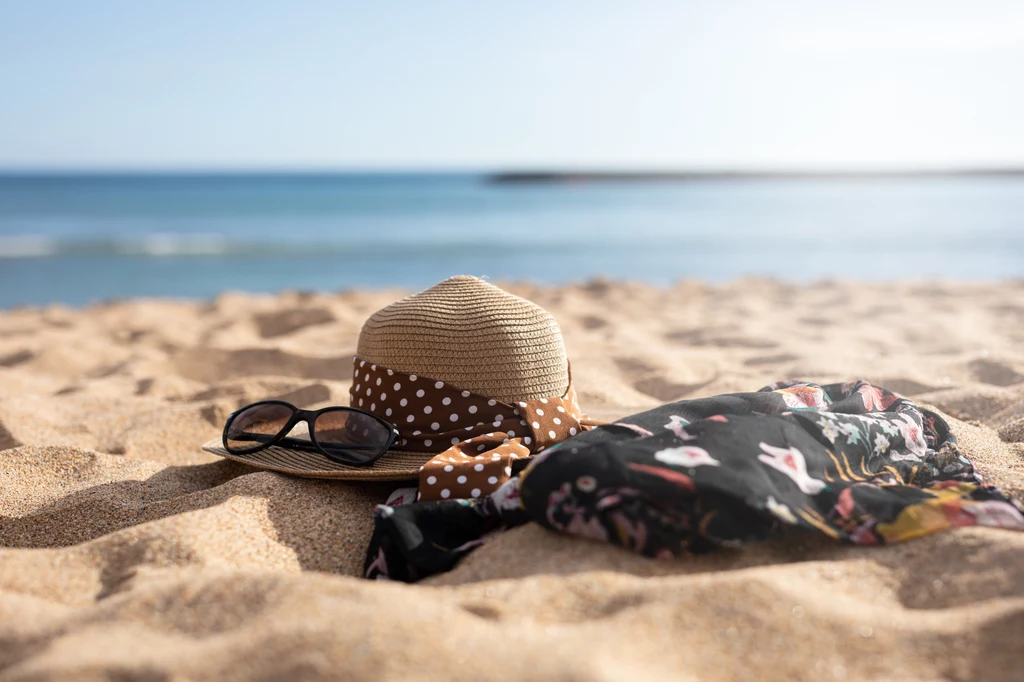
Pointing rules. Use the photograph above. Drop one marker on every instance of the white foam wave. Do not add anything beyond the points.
(27, 246)
(164, 244)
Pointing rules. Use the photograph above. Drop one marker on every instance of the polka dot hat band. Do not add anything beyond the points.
(477, 438)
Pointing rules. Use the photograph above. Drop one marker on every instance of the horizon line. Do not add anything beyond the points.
(539, 173)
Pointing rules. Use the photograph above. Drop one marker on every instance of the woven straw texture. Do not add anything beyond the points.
(393, 466)
(471, 334)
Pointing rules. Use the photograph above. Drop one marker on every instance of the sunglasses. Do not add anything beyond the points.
(342, 434)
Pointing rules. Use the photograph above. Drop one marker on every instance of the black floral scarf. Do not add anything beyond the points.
(851, 461)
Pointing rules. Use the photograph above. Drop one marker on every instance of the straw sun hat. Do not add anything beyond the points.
(483, 345)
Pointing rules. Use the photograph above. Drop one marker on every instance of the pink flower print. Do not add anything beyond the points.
(634, 428)
(718, 418)
(913, 435)
(677, 425)
(591, 528)
(380, 564)
(864, 533)
(845, 505)
(555, 502)
(803, 397)
(875, 399)
(670, 475)
(686, 456)
(402, 496)
(507, 495)
(995, 514)
(791, 462)
(561, 503)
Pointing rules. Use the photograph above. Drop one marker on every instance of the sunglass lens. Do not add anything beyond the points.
(255, 426)
(351, 435)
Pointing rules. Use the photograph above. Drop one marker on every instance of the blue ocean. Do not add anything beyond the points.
(77, 239)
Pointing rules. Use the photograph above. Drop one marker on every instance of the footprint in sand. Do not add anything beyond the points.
(633, 365)
(907, 387)
(995, 373)
(986, 403)
(306, 395)
(249, 390)
(271, 325)
(485, 611)
(881, 311)
(816, 321)
(770, 359)
(654, 386)
(213, 365)
(930, 292)
(123, 561)
(664, 390)
(226, 401)
(1008, 310)
(593, 322)
(15, 359)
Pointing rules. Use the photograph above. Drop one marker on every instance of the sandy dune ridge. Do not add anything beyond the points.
(128, 553)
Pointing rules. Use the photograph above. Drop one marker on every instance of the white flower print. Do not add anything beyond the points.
(898, 456)
(677, 425)
(851, 432)
(881, 445)
(781, 511)
(791, 462)
(506, 497)
(829, 429)
(686, 456)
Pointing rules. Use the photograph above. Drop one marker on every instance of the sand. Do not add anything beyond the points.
(127, 553)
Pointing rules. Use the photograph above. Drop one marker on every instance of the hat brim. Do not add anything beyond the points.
(395, 465)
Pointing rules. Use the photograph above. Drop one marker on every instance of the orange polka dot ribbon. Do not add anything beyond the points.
(477, 438)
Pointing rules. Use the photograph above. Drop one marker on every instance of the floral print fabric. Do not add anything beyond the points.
(851, 461)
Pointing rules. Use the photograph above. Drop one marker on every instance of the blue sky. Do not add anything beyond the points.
(703, 85)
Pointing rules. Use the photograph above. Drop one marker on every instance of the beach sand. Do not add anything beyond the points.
(127, 553)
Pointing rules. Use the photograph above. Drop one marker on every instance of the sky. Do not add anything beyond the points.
(708, 85)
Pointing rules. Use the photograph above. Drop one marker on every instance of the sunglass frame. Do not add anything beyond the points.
(310, 417)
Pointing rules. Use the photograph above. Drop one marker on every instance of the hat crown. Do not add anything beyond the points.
(471, 334)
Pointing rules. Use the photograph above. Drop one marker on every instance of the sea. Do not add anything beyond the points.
(78, 239)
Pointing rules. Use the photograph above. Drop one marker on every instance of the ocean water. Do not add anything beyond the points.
(85, 238)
